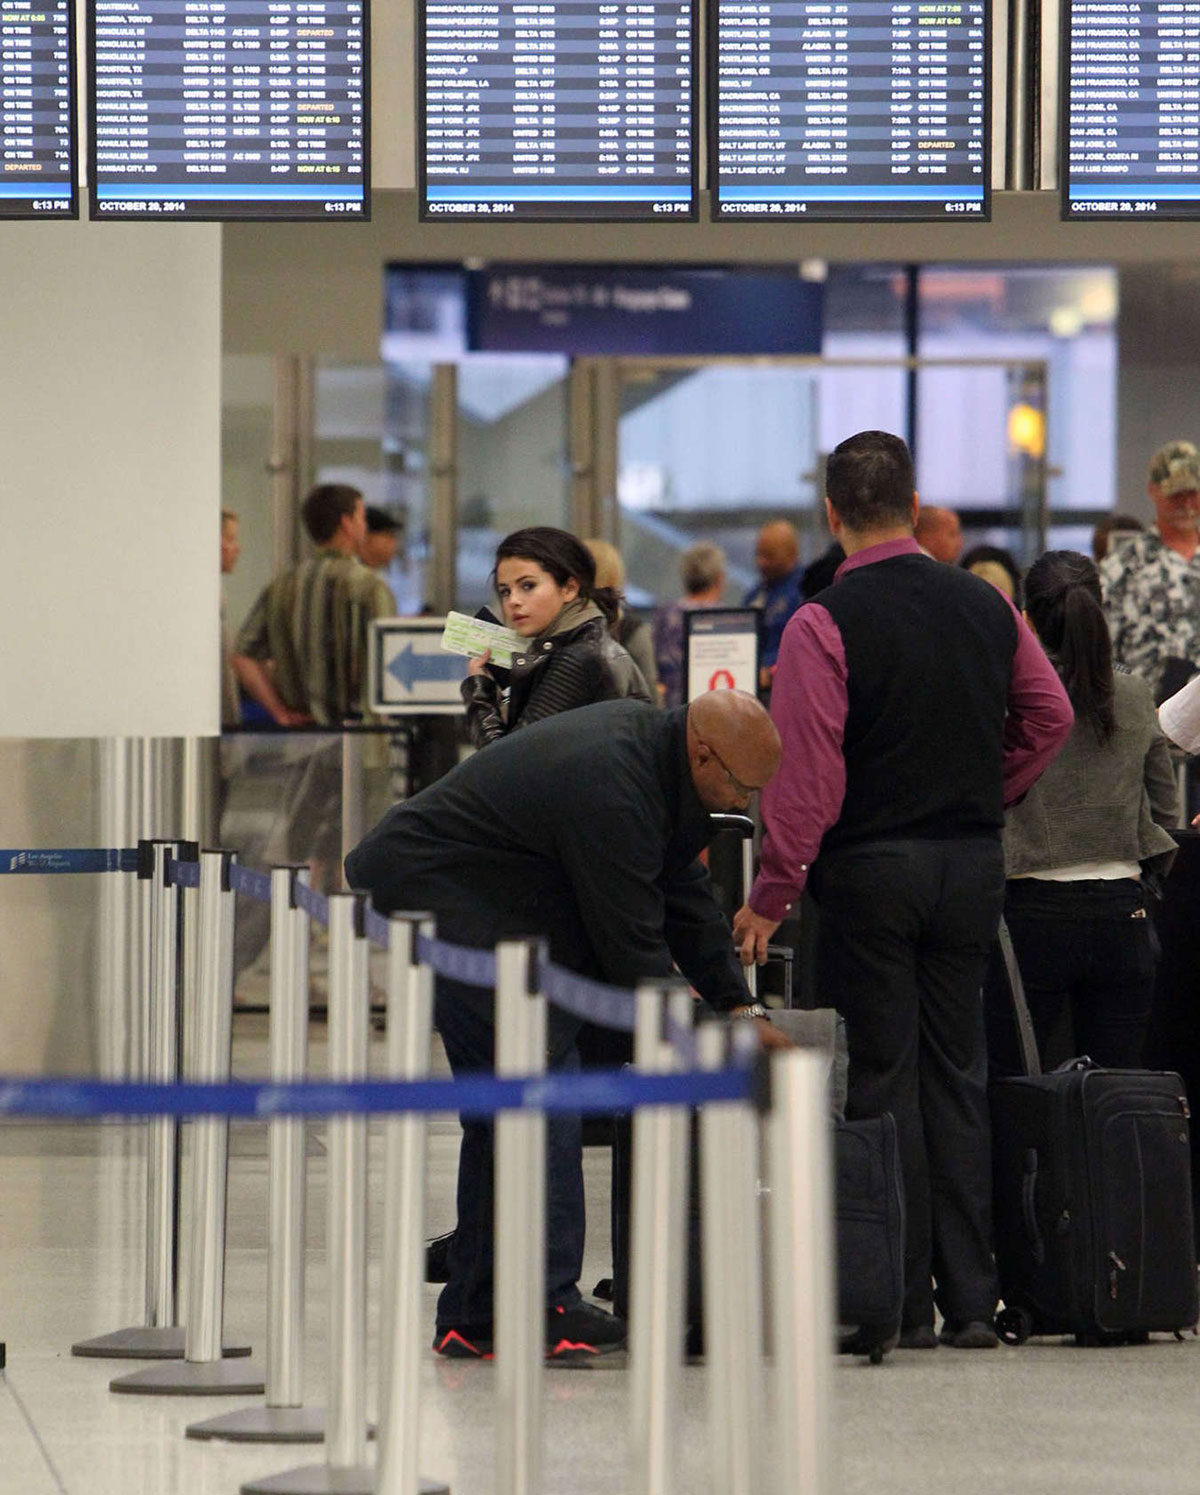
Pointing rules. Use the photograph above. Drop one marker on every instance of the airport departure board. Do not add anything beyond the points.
(37, 109)
(559, 110)
(226, 109)
(850, 109)
(1131, 101)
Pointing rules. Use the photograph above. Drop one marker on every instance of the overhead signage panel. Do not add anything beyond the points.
(850, 109)
(560, 110)
(37, 109)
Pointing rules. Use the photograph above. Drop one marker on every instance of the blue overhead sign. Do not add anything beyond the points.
(596, 309)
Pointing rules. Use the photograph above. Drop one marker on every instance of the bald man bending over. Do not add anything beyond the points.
(584, 828)
(780, 590)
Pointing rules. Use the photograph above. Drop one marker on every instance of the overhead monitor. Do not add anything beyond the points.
(559, 111)
(850, 109)
(1131, 109)
(37, 109)
(225, 109)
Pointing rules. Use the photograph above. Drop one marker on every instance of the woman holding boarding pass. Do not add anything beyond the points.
(546, 582)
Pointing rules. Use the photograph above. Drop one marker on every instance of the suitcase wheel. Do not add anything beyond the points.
(1014, 1325)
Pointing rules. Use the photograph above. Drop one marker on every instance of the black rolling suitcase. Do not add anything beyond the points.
(1092, 1198)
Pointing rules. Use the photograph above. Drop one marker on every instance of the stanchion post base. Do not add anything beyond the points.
(266, 1425)
(145, 1344)
(320, 1479)
(192, 1378)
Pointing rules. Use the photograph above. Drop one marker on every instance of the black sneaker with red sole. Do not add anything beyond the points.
(577, 1333)
(580, 1332)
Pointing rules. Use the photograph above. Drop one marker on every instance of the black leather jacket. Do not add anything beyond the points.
(560, 672)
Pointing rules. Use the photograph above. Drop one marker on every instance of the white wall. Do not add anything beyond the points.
(109, 479)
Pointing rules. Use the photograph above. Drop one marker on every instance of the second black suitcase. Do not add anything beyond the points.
(1092, 1199)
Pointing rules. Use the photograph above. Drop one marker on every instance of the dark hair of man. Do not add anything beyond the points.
(324, 507)
(380, 522)
(869, 480)
(1062, 598)
(565, 558)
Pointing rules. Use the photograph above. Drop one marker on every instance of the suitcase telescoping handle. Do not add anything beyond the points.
(1016, 989)
(744, 826)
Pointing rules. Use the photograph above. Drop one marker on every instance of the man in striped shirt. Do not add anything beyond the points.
(302, 653)
(310, 622)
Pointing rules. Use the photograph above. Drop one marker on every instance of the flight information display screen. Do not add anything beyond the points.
(850, 109)
(37, 109)
(229, 109)
(1131, 104)
(558, 110)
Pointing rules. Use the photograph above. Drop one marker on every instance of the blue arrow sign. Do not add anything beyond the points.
(411, 668)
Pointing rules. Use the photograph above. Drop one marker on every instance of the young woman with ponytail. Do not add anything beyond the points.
(1077, 846)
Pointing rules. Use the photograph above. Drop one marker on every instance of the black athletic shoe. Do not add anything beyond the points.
(581, 1332)
(920, 1337)
(464, 1342)
(437, 1258)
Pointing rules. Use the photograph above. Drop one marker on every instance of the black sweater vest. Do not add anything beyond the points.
(929, 652)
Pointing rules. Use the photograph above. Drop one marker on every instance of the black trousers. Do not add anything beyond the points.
(906, 927)
(1087, 945)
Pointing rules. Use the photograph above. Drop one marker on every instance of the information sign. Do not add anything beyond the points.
(226, 109)
(37, 109)
(848, 109)
(1131, 109)
(720, 649)
(557, 110)
(410, 673)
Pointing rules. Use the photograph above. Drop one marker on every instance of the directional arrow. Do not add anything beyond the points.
(411, 668)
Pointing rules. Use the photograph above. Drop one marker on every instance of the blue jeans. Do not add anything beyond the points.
(464, 1017)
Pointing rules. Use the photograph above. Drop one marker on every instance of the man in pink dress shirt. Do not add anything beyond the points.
(913, 705)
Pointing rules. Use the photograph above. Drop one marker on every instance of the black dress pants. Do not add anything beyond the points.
(1087, 946)
(906, 927)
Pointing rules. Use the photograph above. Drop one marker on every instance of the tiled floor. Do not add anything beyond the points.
(1043, 1419)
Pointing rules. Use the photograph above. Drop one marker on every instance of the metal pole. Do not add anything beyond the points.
(442, 579)
(733, 1297)
(112, 993)
(162, 1157)
(159, 1336)
(345, 1470)
(519, 1305)
(656, 1287)
(801, 1229)
(285, 1418)
(203, 1371)
(409, 1029)
(353, 819)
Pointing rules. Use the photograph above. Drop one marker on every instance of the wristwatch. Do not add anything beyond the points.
(751, 1009)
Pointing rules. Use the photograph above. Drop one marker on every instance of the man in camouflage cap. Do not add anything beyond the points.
(1151, 581)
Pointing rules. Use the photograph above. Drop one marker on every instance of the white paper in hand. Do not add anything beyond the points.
(471, 636)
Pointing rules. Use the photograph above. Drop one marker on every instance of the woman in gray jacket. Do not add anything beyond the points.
(1077, 847)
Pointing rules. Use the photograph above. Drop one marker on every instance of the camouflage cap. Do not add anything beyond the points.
(1168, 453)
(1182, 476)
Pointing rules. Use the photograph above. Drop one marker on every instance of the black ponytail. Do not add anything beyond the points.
(1062, 598)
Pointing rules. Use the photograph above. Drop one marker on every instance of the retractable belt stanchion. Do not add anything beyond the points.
(345, 1471)
(160, 1337)
(801, 1216)
(203, 1371)
(519, 1293)
(733, 1297)
(409, 1032)
(285, 1418)
(656, 1287)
